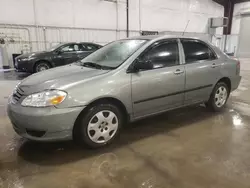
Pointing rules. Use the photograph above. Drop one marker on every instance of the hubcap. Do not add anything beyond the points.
(42, 67)
(220, 96)
(102, 126)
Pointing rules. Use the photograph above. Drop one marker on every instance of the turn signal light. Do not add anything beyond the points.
(57, 100)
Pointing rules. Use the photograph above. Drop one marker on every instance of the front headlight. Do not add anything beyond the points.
(44, 99)
(27, 58)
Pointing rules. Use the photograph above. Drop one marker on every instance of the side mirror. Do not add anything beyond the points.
(142, 65)
(58, 52)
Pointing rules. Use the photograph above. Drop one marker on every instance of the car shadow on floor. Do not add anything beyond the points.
(13, 75)
(57, 153)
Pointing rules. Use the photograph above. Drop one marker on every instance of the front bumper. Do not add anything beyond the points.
(24, 66)
(43, 124)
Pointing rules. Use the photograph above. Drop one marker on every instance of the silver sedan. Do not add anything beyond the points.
(126, 80)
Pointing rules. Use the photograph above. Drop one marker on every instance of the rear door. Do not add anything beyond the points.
(160, 87)
(202, 70)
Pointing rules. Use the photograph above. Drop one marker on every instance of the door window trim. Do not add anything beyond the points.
(202, 42)
(154, 45)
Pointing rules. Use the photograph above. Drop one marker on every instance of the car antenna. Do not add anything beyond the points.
(185, 28)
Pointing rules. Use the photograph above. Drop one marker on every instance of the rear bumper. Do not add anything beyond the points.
(43, 124)
(235, 82)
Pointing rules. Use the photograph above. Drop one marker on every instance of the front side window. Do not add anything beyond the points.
(91, 47)
(197, 51)
(113, 54)
(163, 55)
(70, 48)
(88, 47)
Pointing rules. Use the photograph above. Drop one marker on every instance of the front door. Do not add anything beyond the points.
(66, 55)
(85, 49)
(161, 86)
(202, 70)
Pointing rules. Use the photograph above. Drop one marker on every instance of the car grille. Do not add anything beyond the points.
(17, 95)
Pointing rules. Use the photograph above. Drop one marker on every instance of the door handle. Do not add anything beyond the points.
(178, 71)
(214, 65)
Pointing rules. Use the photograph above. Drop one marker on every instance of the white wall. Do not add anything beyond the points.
(161, 15)
(173, 15)
(103, 21)
(236, 16)
(233, 39)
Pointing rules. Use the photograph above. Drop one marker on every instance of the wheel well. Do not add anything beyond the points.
(40, 62)
(227, 81)
(109, 100)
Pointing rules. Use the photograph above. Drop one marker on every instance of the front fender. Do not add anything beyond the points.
(103, 87)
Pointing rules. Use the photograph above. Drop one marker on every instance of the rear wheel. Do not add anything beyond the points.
(42, 66)
(99, 126)
(218, 97)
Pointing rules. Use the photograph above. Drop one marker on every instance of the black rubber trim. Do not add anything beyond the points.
(171, 94)
(6, 66)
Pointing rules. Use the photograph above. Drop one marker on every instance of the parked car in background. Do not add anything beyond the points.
(125, 80)
(59, 55)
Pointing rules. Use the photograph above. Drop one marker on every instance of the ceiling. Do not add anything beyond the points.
(223, 2)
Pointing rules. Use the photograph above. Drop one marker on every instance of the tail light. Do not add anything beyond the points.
(238, 68)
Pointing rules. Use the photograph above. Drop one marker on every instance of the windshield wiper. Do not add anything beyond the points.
(95, 65)
(91, 64)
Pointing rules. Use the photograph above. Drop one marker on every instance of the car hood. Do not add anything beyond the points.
(60, 78)
(31, 54)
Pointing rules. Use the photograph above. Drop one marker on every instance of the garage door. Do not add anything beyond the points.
(244, 40)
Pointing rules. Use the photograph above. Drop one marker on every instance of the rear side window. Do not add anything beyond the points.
(197, 51)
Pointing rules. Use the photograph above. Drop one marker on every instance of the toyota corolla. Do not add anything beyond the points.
(125, 80)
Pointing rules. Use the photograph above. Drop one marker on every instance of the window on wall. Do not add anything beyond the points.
(163, 55)
(197, 51)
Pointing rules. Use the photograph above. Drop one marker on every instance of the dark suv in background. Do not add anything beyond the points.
(59, 55)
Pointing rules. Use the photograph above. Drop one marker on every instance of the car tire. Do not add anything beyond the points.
(41, 66)
(218, 97)
(98, 126)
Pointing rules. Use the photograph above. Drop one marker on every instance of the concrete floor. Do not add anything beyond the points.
(187, 148)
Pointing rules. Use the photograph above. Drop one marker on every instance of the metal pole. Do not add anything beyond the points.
(127, 18)
(117, 19)
(140, 15)
(45, 38)
(225, 44)
(35, 20)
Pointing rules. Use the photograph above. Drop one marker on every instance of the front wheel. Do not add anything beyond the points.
(218, 97)
(99, 126)
(42, 66)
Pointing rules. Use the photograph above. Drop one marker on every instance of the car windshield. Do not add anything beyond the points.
(113, 54)
(54, 47)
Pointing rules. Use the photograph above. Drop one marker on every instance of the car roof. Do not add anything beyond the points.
(160, 37)
(78, 43)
